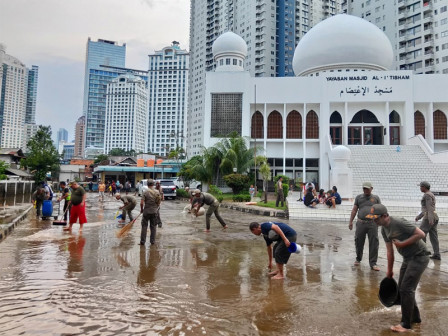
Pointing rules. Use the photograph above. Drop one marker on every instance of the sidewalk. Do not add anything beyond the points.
(11, 216)
(405, 209)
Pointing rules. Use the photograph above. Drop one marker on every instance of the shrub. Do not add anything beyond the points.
(219, 198)
(182, 193)
(241, 198)
(214, 190)
(237, 182)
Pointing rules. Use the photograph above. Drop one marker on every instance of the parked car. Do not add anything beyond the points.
(195, 184)
(178, 182)
(168, 188)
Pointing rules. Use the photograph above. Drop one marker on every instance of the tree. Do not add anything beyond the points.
(42, 156)
(3, 166)
(235, 154)
(237, 182)
(122, 152)
(100, 158)
(177, 154)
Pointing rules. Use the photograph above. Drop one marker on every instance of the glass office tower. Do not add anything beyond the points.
(100, 55)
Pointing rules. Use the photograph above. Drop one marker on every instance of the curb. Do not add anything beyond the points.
(6, 229)
(257, 211)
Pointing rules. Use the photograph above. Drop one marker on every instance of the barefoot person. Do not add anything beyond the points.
(78, 210)
(283, 234)
(129, 204)
(365, 226)
(199, 200)
(408, 240)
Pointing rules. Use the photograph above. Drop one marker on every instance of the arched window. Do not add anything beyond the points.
(364, 116)
(312, 125)
(394, 117)
(335, 118)
(419, 123)
(257, 126)
(336, 128)
(294, 125)
(275, 126)
(440, 125)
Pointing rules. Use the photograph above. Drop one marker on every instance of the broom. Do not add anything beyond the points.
(125, 229)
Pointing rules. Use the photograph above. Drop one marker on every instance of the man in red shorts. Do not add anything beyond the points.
(78, 210)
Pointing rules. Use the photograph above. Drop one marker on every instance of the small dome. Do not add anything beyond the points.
(229, 43)
(343, 41)
(341, 153)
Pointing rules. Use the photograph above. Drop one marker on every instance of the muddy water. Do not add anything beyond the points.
(194, 283)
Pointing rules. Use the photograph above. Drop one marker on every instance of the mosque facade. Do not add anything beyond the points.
(343, 94)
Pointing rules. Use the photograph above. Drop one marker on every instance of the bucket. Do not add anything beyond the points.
(388, 293)
(47, 208)
(294, 248)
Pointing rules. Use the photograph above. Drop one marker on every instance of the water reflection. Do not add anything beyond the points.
(149, 260)
(75, 247)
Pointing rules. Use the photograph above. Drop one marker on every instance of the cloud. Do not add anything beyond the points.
(53, 35)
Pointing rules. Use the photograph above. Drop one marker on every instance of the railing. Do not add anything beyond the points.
(12, 192)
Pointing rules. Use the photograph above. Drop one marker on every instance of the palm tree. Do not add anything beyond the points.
(234, 153)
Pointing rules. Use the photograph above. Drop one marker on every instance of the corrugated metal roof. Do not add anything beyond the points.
(18, 172)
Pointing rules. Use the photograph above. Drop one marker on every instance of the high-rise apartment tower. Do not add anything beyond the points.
(168, 89)
(417, 29)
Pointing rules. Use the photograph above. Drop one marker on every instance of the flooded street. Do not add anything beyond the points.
(196, 283)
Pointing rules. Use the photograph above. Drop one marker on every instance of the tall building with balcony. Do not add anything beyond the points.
(168, 90)
(80, 129)
(126, 114)
(13, 100)
(271, 30)
(418, 30)
(100, 55)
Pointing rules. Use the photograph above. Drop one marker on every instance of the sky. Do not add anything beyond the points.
(52, 34)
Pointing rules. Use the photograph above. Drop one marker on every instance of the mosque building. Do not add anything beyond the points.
(343, 94)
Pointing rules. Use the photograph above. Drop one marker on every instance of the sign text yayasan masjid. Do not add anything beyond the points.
(363, 90)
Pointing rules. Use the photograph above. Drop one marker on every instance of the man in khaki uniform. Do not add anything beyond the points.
(201, 198)
(280, 195)
(430, 218)
(149, 206)
(129, 204)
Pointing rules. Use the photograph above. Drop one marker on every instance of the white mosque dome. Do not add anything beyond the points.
(342, 42)
(229, 43)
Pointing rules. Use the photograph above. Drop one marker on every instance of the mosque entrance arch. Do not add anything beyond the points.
(365, 129)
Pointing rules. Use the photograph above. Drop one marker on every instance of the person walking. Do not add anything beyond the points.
(129, 204)
(78, 210)
(65, 195)
(201, 198)
(408, 240)
(283, 235)
(365, 226)
(280, 195)
(430, 218)
(101, 189)
(148, 207)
